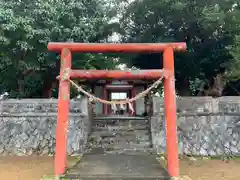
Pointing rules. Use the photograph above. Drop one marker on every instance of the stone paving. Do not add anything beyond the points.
(117, 166)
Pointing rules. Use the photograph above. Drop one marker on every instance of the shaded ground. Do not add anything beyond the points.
(118, 166)
(33, 168)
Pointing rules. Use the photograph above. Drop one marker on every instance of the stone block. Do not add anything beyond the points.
(1, 149)
(212, 135)
(29, 134)
(158, 106)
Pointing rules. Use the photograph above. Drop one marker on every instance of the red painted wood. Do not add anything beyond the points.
(62, 120)
(170, 114)
(117, 74)
(116, 47)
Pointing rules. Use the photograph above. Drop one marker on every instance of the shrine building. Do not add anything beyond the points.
(120, 90)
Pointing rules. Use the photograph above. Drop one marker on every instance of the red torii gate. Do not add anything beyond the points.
(169, 90)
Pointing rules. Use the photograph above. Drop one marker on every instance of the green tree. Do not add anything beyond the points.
(208, 28)
(234, 66)
(27, 68)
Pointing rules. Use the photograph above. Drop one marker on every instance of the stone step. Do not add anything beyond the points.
(121, 134)
(121, 118)
(137, 137)
(117, 122)
(120, 128)
(119, 137)
(121, 144)
(126, 146)
(111, 177)
(132, 146)
(100, 150)
(120, 141)
(105, 133)
(117, 141)
(133, 151)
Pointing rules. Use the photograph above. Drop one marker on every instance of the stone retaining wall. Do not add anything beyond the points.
(206, 126)
(28, 126)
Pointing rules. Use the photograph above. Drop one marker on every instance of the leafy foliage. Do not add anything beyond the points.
(27, 68)
(211, 29)
(208, 27)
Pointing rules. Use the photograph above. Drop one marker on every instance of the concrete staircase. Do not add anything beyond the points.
(121, 134)
(119, 149)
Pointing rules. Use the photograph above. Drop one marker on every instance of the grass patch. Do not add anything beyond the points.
(162, 158)
(52, 177)
(71, 163)
(225, 157)
(49, 177)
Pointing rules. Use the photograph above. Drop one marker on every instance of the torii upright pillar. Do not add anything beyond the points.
(170, 113)
(169, 90)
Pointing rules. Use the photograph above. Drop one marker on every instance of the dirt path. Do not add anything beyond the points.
(35, 167)
(27, 168)
(211, 169)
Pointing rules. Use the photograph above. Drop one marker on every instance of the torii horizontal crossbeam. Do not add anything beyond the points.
(117, 74)
(116, 47)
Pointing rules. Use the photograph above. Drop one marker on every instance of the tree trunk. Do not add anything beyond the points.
(183, 88)
(49, 80)
(20, 83)
(47, 88)
(215, 89)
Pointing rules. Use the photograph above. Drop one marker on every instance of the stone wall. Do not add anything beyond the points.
(98, 90)
(140, 103)
(28, 126)
(206, 126)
